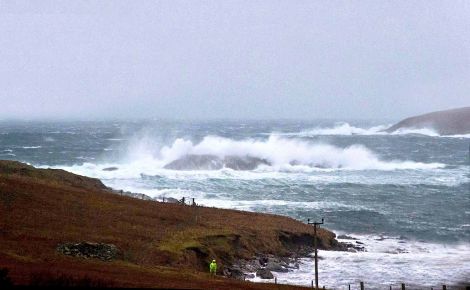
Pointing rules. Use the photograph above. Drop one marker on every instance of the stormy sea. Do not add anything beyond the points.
(404, 197)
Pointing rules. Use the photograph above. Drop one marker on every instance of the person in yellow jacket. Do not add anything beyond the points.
(213, 267)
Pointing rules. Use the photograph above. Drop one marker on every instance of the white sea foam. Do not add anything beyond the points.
(346, 129)
(387, 261)
(282, 153)
(289, 158)
(31, 147)
(341, 129)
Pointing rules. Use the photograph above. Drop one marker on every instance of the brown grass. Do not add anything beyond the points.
(161, 244)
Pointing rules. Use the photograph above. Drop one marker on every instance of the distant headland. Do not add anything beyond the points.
(448, 122)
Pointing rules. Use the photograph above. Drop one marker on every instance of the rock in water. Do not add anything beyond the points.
(276, 267)
(212, 162)
(449, 122)
(264, 274)
(243, 163)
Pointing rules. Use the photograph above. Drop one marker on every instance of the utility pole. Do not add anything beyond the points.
(315, 224)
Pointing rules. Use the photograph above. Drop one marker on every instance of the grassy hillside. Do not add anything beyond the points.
(160, 244)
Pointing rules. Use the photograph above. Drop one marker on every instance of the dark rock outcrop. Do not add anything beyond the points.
(449, 122)
(264, 274)
(233, 272)
(275, 266)
(212, 162)
(104, 252)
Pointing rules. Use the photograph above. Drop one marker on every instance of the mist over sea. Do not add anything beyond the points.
(404, 196)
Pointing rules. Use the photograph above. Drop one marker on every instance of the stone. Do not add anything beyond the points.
(264, 274)
(233, 272)
(345, 237)
(263, 261)
(275, 267)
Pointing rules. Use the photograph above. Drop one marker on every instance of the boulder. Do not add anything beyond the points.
(275, 267)
(233, 272)
(263, 261)
(264, 274)
(213, 162)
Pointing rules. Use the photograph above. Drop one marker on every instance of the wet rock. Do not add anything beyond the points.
(264, 274)
(251, 265)
(213, 162)
(275, 267)
(345, 237)
(234, 272)
(263, 261)
(104, 252)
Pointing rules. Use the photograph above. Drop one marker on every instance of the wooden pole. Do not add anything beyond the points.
(316, 254)
(444, 287)
(315, 246)
(362, 285)
(403, 286)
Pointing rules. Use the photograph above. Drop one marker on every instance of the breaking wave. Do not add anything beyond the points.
(346, 129)
(278, 154)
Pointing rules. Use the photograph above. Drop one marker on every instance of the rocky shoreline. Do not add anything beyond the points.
(262, 266)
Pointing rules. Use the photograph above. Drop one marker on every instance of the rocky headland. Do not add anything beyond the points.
(448, 122)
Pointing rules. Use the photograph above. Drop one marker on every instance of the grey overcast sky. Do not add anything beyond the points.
(232, 59)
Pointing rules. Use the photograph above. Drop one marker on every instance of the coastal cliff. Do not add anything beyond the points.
(57, 221)
(449, 122)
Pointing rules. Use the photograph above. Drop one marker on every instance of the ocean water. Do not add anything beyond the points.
(404, 196)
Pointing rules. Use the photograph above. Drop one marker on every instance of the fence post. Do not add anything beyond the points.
(312, 283)
(390, 287)
(362, 285)
(275, 280)
(444, 287)
(403, 286)
(349, 286)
